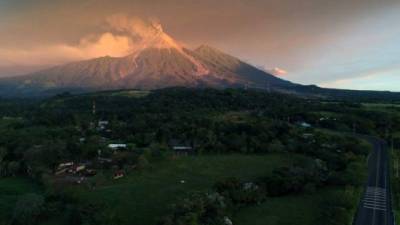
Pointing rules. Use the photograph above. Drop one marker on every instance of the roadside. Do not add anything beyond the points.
(395, 181)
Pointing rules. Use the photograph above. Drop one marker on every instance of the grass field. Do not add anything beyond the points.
(145, 196)
(287, 210)
(302, 209)
(381, 105)
(10, 190)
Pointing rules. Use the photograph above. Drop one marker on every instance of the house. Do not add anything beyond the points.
(65, 165)
(80, 168)
(181, 147)
(104, 160)
(102, 124)
(117, 146)
(182, 150)
(305, 125)
(329, 146)
(118, 175)
(61, 171)
(308, 135)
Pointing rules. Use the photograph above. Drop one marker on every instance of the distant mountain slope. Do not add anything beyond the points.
(222, 63)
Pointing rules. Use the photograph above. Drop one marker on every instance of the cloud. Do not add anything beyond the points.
(120, 37)
(276, 71)
(381, 79)
(88, 47)
(279, 72)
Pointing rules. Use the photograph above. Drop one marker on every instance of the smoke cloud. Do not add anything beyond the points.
(121, 34)
(136, 28)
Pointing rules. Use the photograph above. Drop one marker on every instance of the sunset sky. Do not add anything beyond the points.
(332, 43)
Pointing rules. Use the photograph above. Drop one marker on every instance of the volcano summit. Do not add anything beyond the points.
(158, 61)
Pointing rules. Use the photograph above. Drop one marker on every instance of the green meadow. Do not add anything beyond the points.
(146, 196)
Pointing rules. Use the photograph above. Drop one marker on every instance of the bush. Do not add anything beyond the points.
(28, 209)
(339, 207)
(239, 193)
(197, 209)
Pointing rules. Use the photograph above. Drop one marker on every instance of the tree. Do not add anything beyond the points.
(74, 216)
(3, 165)
(13, 168)
(3, 153)
(28, 209)
(142, 162)
(276, 146)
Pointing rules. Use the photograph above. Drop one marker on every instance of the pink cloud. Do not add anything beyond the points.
(279, 72)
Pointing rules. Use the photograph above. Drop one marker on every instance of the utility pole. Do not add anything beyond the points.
(386, 133)
(396, 166)
(392, 144)
(94, 108)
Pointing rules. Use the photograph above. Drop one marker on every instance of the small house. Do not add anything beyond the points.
(181, 147)
(102, 125)
(65, 165)
(104, 160)
(61, 171)
(305, 125)
(308, 135)
(118, 175)
(80, 168)
(117, 146)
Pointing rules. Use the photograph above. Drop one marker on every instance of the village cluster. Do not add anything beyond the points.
(78, 172)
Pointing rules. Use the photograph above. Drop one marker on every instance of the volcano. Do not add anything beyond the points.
(158, 62)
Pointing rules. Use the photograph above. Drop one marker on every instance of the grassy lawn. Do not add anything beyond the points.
(395, 182)
(381, 105)
(10, 190)
(144, 197)
(288, 210)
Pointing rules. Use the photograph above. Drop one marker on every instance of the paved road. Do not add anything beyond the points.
(375, 207)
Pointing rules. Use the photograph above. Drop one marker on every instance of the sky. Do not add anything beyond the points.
(352, 44)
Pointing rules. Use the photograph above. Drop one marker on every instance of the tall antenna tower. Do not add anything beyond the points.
(94, 107)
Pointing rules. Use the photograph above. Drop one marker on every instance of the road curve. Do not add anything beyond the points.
(376, 204)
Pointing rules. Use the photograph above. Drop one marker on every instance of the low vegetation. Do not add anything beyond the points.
(183, 156)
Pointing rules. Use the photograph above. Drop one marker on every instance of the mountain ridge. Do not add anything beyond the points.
(160, 62)
(151, 68)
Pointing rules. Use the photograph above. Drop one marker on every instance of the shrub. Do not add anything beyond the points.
(28, 209)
